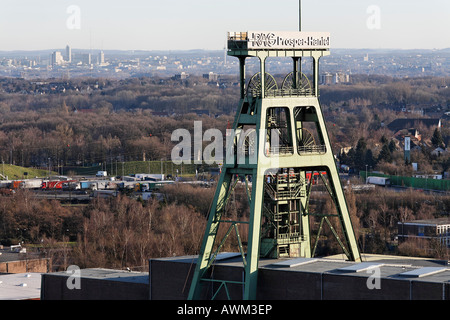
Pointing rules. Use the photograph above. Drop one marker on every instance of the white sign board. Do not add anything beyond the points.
(288, 40)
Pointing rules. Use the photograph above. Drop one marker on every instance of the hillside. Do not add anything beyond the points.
(14, 172)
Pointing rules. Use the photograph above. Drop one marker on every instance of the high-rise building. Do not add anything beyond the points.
(57, 58)
(101, 58)
(68, 54)
(341, 77)
(326, 79)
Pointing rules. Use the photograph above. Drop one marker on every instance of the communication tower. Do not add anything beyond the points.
(278, 150)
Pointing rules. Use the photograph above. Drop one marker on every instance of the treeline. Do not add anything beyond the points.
(104, 121)
(112, 233)
(388, 155)
(375, 216)
(124, 232)
(35, 138)
(379, 213)
(109, 95)
(384, 90)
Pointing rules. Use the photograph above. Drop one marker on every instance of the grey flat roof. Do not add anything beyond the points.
(20, 286)
(439, 221)
(293, 262)
(108, 274)
(360, 267)
(423, 272)
(6, 255)
(397, 267)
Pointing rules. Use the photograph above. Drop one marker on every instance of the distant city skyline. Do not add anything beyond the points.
(203, 24)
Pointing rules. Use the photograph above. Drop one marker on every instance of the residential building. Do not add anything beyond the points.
(401, 124)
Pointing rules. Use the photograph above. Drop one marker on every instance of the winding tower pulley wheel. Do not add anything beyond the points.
(306, 138)
(254, 87)
(298, 82)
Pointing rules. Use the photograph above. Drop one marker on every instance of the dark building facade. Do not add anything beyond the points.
(431, 229)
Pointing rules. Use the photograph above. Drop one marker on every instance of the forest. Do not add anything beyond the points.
(100, 121)
(124, 233)
(81, 122)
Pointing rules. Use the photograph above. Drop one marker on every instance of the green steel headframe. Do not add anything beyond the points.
(279, 156)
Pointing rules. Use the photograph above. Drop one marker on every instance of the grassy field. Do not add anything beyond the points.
(15, 172)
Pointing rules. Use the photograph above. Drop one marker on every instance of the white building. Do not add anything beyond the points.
(339, 77)
(57, 58)
(101, 58)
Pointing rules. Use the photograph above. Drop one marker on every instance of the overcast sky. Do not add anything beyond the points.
(202, 24)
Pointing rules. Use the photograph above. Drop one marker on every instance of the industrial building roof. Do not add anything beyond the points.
(377, 277)
(433, 222)
(392, 268)
(6, 255)
(395, 267)
(20, 286)
(109, 274)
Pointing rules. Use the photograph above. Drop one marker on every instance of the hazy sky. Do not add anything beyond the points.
(202, 24)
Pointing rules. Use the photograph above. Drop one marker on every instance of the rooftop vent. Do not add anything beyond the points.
(361, 267)
(423, 272)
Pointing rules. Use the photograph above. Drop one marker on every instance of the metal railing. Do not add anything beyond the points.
(290, 238)
(276, 93)
(238, 36)
(237, 40)
(289, 93)
(280, 150)
(314, 149)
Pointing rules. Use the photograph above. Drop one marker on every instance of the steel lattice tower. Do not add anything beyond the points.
(280, 145)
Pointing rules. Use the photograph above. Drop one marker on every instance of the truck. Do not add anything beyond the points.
(32, 184)
(101, 174)
(105, 193)
(149, 177)
(56, 184)
(379, 181)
